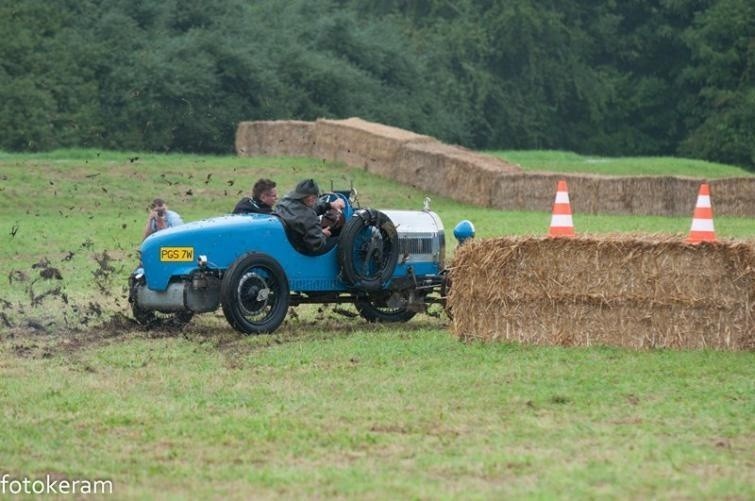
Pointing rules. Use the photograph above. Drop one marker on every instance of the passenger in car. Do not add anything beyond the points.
(300, 210)
(264, 196)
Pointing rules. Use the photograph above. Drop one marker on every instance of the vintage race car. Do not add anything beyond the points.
(388, 263)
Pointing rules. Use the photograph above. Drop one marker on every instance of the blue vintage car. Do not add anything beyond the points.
(389, 263)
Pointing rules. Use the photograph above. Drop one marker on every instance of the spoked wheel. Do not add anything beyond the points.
(368, 254)
(377, 310)
(368, 250)
(254, 294)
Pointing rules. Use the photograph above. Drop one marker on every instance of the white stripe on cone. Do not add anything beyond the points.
(562, 197)
(702, 225)
(561, 220)
(703, 201)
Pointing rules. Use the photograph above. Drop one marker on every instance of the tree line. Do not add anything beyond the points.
(629, 77)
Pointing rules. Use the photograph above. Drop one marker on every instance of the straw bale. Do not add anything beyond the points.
(363, 144)
(451, 171)
(734, 196)
(467, 176)
(621, 291)
(275, 138)
(647, 195)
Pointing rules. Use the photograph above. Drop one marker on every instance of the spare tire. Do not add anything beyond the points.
(368, 250)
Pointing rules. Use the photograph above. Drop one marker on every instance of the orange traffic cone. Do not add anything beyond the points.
(561, 222)
(702, 220)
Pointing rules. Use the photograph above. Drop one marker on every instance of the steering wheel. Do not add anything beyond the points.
(331, 197)
(328, 197)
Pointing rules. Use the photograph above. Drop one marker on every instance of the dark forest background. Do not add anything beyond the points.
(612, 77)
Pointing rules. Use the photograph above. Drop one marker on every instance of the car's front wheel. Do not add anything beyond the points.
(254, 294)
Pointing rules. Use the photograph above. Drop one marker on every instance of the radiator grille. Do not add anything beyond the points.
(416, 246)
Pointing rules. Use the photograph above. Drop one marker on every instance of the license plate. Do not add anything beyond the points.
(176, 253)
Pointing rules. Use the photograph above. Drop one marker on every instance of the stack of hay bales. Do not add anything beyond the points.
(452, 171)
(275, 138)
(620, 291)
(649, 195)
(420, 161)
(371, 146)
(734, 196)
(466, 176)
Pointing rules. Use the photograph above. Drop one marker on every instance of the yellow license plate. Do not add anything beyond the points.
(176, 253)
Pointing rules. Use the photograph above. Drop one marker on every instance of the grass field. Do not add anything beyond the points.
(566, 161)
(329, 405)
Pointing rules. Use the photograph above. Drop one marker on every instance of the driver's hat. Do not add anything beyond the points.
(304, 189)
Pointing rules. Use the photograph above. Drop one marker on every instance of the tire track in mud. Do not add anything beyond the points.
(41, 320)
(210, 332)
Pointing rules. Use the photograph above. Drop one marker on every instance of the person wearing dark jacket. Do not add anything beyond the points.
(262, 200)
(300, 210)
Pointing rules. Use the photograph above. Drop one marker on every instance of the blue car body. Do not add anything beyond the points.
(388, 263)
(226, 238)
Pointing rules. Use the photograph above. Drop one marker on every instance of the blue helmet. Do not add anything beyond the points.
(464, 231)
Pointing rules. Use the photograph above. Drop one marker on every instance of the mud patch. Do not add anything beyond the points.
(39, 318)
(313, 323)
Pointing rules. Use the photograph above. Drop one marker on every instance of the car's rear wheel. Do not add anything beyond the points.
(445, 290)
(254, 294)
(376, 310)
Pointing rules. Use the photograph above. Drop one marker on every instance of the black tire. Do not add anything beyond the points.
(445, 289)
(368, 250)
(254, 294)
(375, 310)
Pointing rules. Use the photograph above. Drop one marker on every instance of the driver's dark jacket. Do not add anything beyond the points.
(252, 205)
(303, 221)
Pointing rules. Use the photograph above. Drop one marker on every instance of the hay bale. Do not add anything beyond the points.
(451, 171)
(645, 195)
(594, 194)
(467, 176)
(410, 158)
(620, 291)
(363, 144)
(733, 196)
(275, 138)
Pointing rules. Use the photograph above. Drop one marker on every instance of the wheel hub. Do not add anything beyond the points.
(253, 293)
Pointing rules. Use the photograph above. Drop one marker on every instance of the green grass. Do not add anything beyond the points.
(329, 405)
(381, 413)
(568, 162)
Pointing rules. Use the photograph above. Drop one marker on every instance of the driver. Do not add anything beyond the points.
(300, 209)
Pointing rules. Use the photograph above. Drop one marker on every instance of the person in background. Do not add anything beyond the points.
(160, 217)
(264, 196)
(300, 210)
